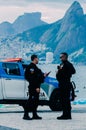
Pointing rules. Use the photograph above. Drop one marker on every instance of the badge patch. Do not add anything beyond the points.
(32, 70)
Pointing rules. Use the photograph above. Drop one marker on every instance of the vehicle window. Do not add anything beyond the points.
(11, 68)
(24, 67)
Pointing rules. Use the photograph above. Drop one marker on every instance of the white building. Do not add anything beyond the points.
(49, 57)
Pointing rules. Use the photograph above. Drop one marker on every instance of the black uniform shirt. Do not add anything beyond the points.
(34, 76)
(65, 72)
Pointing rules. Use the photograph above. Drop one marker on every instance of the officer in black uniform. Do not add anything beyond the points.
(35, 77)
(63, 75)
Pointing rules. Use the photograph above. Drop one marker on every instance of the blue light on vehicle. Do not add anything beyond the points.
(52, 81)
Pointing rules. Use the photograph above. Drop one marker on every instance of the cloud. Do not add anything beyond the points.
(51, 11)
(27, 2)
(14, 2)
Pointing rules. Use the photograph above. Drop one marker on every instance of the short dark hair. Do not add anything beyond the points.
(64, 53)
(33, 57)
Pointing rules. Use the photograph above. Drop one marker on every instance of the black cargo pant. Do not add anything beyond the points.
(65, 98)
(32, 103)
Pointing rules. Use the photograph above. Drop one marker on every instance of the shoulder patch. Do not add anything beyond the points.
(32, 70)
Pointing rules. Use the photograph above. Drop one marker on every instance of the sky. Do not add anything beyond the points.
(52, 10)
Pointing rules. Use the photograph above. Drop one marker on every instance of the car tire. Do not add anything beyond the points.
(55, 102)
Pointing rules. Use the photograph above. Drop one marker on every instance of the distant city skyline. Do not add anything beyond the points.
(52, 10)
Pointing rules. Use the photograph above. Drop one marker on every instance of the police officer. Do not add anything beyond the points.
(35, 77)
(63, 75)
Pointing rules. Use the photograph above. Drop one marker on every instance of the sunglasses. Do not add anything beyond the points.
(61, 57)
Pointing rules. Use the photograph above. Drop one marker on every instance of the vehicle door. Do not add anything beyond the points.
(13, 80)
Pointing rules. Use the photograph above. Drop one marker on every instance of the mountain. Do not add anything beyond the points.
(27, 21)
(21, 24)
(68, 34)
(72, 34)
(45, 34)
(37, 40)
(6, 29)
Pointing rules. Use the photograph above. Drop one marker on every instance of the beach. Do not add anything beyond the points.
(11, 119)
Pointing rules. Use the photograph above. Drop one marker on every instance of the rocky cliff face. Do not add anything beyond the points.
(72, 34)
(27, 21)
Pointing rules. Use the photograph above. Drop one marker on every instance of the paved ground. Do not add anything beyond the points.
(12, 117)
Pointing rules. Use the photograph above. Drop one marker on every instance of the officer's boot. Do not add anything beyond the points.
(26, 117)
(68, 115)
(65, 116)
(35, 116)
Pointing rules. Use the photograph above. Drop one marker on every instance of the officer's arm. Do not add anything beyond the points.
(73, 71)
(41, 75)
(70, 69)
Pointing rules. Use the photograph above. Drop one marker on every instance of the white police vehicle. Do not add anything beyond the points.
(14, 87)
